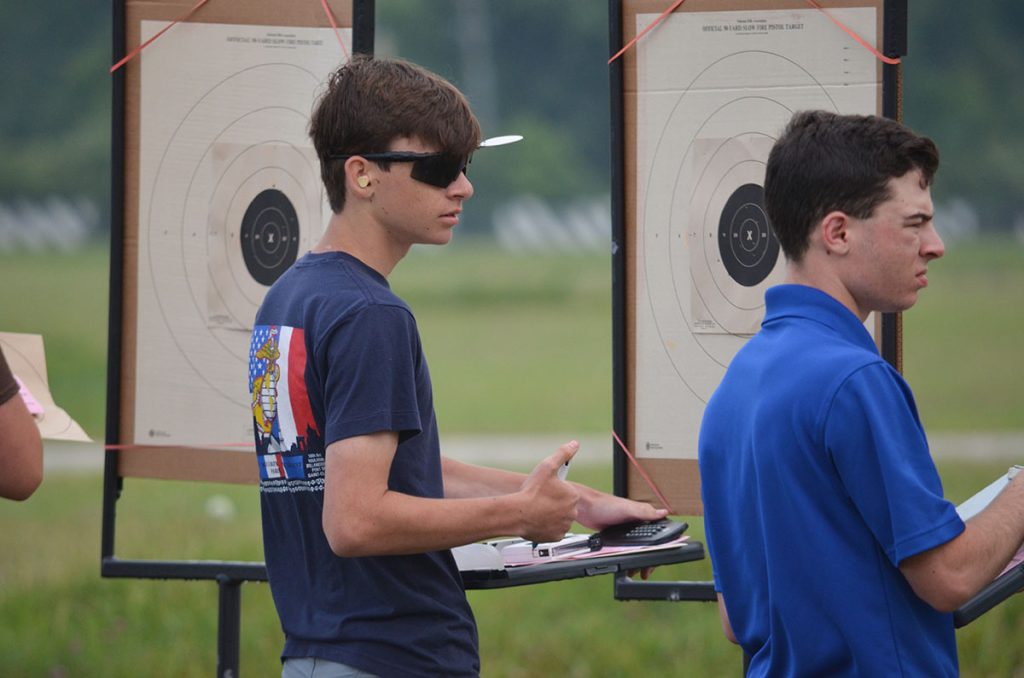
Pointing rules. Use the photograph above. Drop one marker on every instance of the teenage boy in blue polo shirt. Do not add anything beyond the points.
(834, 552)
(359, 507)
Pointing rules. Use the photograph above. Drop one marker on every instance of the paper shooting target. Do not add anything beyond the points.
(230, 196)
(715, 90)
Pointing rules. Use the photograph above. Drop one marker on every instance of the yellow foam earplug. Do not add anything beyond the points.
(363, 181)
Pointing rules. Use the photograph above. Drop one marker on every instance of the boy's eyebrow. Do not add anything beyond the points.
(920, 216)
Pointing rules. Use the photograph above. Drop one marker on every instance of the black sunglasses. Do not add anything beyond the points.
(436, 169)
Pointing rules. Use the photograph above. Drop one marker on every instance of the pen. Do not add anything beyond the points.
(572, 544)
(561, 474)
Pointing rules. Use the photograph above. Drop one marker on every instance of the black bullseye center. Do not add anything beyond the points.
(269, 236)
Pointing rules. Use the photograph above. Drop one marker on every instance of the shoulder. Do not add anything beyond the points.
(324, 289)
(875, 378)
(873, 401)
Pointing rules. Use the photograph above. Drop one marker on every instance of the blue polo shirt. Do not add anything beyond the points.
(817, 482)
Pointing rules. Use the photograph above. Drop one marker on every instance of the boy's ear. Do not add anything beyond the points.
(835, 235)
(357, 173)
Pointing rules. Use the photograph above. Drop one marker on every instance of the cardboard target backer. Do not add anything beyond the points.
(222, 194)
(26, 358)
(706, 93)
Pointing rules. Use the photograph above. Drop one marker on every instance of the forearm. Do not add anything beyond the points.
(596, 509)
(362, 515)
(948, 575)
(462, 481)
(401, 524)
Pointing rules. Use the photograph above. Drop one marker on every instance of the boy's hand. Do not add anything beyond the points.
(549, 504)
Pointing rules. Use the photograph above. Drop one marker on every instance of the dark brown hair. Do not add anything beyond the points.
(370, 102)
(825, 162)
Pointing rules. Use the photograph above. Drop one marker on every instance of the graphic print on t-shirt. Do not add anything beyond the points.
(283, 419)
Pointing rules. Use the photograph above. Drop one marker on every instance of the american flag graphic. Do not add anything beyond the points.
(283, 419)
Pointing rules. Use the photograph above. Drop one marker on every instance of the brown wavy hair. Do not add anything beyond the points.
(370, 102)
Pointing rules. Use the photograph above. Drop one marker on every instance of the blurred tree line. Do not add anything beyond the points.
(533, 67)
(55, 117)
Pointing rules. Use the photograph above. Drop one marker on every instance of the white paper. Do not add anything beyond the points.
(224, 113)
(714, 91)
(975, 504)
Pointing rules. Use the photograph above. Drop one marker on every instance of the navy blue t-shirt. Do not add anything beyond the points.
(817, 482)
(336, 354)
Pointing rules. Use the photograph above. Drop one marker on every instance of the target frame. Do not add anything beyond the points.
(678, 476)
(133, 453)
(123, 457)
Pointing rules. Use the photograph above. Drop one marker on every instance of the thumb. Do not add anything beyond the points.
(565, 453)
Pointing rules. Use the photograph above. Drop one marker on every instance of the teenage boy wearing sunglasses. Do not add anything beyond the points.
(360, 508)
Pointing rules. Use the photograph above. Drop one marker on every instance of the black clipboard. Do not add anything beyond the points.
(558, 570)
(1004, 586)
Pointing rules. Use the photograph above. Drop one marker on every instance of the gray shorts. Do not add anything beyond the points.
(314, 667)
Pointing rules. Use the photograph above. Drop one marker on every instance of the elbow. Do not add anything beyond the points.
(952, 599)
(946, 595)
(947, 604)
(941, 577)
(25, 485)
(33, 483)
(347, 539)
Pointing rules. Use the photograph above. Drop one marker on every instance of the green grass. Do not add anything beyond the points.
(515, 343)
(63, 296)
(59, 618)
(962, 347)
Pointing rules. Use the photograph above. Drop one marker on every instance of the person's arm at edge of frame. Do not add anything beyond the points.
(723, 615)
(21, 451)
(948, 575)
(596, 510)
(362, 516)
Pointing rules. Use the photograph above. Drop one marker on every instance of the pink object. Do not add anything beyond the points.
(34, 408)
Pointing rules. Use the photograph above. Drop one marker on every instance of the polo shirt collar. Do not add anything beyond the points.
(810, 303)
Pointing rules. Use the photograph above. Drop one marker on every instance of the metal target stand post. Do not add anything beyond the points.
(229, 575)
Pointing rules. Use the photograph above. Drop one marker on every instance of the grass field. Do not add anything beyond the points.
(58, 618)
(516, 344)
(522, 343)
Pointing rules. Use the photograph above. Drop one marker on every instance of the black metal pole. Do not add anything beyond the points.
(618, 252)
(894, 44)
(229, 626)
(364, 14)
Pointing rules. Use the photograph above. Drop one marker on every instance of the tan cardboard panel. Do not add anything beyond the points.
(678, 478)
(218, 466)
(184, 462)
